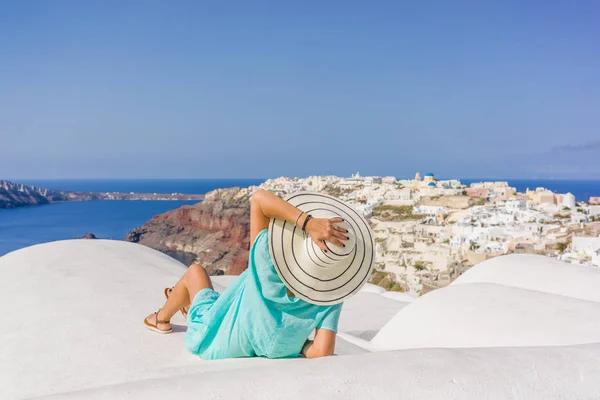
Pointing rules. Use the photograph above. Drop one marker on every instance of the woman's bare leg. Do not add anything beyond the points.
(193, 280)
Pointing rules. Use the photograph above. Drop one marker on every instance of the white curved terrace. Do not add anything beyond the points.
(532, 272)
(73, 328)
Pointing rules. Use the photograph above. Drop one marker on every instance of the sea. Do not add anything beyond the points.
(108, 219)
(26, 226)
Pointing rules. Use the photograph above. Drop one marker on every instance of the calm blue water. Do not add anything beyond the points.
(25, 226)
(21, 227)
(186, 186)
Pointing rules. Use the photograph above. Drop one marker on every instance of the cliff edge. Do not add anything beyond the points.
(216, 231)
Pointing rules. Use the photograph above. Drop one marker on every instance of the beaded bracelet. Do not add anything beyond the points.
(308, 218)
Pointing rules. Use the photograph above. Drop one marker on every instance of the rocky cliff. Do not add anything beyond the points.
(216, 232)
(17, 195)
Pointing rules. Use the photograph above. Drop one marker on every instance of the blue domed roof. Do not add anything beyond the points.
(431, 184)
(429, 174)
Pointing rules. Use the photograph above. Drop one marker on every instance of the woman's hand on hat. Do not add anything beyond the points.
(325, 229)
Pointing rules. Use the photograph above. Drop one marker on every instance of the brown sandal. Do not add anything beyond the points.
(182, 310)
(154, 327)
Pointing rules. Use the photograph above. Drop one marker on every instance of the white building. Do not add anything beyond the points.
(450, 184)
(586, 244)
(578, 218)
(429, 210)
(490, 185)
(404, 194)
(515, 205)
(568, 201)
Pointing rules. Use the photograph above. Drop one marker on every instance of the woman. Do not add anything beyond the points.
(256, 315)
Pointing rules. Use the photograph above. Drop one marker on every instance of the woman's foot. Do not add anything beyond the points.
(155, 323)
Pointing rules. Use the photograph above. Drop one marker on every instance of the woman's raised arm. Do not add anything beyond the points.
(265, 205)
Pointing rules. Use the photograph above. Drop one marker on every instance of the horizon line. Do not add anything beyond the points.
(300, 177)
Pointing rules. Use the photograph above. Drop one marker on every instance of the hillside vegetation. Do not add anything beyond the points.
(395, 213)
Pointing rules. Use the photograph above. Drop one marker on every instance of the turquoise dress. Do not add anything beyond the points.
(254, 316)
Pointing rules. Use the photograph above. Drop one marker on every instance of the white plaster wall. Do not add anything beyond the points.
(491, 315)
(586, 243)
(429, 374)
(539, 273)
(76, 320)
(74, 331)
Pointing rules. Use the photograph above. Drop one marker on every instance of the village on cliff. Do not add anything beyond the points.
(428, 231)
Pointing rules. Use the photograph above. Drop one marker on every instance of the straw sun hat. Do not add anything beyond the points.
(319, 277)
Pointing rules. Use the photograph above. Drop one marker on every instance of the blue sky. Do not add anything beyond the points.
(195, 89)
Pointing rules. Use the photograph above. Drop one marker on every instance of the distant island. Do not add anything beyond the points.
(18, 195)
